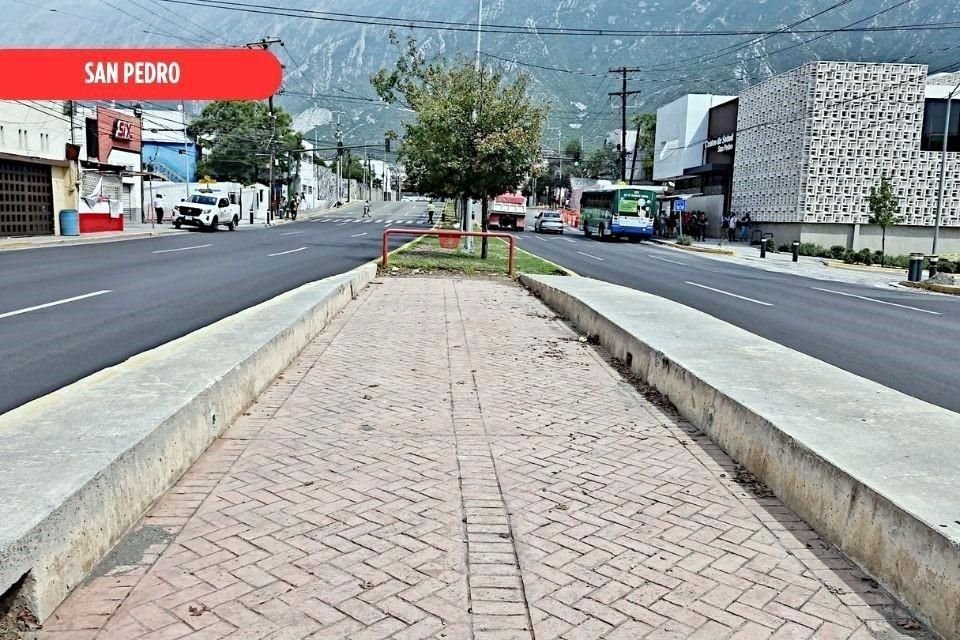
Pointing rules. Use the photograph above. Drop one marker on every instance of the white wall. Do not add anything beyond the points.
(42, 132)
(681, 134)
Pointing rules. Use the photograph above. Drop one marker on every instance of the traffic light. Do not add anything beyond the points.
(339, 148)
(386, 144)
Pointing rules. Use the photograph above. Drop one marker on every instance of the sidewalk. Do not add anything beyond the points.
(448, 460)
(131, 231)
(808, 266)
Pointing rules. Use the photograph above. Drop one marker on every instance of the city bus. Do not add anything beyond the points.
(618, 211)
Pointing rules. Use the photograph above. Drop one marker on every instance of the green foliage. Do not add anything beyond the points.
(837, 251)
(685, 241)
(602, 163)
(884, 210)
(771, 244)
(475, 133)
(647, 123)
(850, 256)
(233, 132)
(810, 249)
(865, 256)
(784, 248)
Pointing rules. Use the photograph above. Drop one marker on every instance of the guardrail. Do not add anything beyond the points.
(445, 233)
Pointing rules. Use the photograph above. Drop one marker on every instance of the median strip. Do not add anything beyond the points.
(10, 314)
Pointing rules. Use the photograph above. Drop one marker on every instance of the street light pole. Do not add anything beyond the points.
(943, 168)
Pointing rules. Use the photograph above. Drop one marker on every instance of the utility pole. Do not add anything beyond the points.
(264, 43)
(623, 93)
(339, 158)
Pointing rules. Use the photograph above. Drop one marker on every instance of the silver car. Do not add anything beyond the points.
(548, 221)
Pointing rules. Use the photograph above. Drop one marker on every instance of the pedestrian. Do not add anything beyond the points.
(158, 207)
(701, 227)
(732, 228)
(745, 223)
(672, 224)
(366, 208)
(431, 209)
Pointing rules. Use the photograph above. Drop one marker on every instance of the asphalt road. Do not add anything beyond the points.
(905, 340)
(144, 293)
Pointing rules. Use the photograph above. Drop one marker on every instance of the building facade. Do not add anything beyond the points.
(36, 179)
(810, 143)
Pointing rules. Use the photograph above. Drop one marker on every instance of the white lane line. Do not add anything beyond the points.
(727, 293)
(341, 224)
(199, 246)
(539, 238)
(590, 256)
(669, 260)
(569, 240)
(379, 221)
(892, 304)
(292, 233)
(10, 314)
(283, 253)
(357, 235)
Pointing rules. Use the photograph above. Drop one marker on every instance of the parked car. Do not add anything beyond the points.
(548, 221)
(207, 211)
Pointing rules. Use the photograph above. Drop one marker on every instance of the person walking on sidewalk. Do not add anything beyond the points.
(745, 227)
(158, 207)
(701, 226)
(732, 228)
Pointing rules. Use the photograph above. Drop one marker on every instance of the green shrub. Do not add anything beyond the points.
(878, 257)
(771, 245)
(849, 256)
(898, 261)
(865, 256)
(686, 241)
(810, 249)
(784, 248)
(837, 251)
(947, 266)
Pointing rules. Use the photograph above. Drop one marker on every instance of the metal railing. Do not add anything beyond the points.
(446, 233)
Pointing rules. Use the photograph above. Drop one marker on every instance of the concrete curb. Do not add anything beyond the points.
(932, 286)
(868, 467)
(67, 242)
(566, 270)
(80, 466)
(674, 245)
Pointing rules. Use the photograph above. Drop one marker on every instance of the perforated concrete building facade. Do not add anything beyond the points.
(811, 142)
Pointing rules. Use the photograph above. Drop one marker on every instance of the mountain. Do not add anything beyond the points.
(330, 60)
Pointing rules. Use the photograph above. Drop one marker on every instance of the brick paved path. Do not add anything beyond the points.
(447, 460)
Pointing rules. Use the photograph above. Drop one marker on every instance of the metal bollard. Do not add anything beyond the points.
(763, 248)
(933, 266)
(796, 250)
(915, 271)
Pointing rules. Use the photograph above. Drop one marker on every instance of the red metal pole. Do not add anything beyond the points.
(510, 261)
(383, 261)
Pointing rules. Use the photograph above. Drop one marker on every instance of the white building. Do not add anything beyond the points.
(36, 179)
(681, 134)
(810, 143)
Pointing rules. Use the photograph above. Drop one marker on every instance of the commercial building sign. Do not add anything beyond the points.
(116, 132)
(122, 130)
(723, 144)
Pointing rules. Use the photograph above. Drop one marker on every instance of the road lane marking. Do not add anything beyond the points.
(292, 233)
(669, 260)
(590, 256)
(569, 240)
(283, 253)
(357, 235)
(341, 224)
(10, 314)
(199, 246)
(727, 293)
(892, 304)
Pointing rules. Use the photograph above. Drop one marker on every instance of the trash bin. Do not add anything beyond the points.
(69, 222)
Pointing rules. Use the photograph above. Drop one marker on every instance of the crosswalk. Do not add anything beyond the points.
(384, 221)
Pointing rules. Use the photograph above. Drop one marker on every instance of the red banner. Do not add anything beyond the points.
(138, 74)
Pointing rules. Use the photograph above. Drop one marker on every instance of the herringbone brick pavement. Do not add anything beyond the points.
(449, 460)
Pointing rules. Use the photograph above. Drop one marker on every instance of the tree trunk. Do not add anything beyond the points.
(483, 227)
(883, 246)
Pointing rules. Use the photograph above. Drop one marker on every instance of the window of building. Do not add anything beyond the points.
(934, 114)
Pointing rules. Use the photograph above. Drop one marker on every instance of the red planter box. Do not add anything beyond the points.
(93, 222)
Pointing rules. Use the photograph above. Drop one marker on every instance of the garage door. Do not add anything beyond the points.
(26, 199)
(126, 197)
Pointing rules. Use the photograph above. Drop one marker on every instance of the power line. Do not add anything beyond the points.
(441, 25)
(203, 38)
(186, 19)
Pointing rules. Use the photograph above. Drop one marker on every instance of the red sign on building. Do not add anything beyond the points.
(117, 131)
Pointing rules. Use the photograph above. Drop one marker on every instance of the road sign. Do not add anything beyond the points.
(680, 204)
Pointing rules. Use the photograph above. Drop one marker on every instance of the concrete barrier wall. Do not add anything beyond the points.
(872, 470)
(81, 465)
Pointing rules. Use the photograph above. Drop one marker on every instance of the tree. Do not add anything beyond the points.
(602, 163)
(475, 134)
(646, 124)
(884, 212)
(234, 132)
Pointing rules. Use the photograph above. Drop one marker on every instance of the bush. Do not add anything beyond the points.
(878, 257)
(947, 266)
(898, 261)
(686, 241)
(771, 245)
(849, 256)
(810, 249)
(784, 248)
(837, 251)
(865, 256)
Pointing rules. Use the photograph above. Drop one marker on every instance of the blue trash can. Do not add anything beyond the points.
(69, 222)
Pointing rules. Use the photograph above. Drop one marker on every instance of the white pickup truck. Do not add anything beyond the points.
(207, 211)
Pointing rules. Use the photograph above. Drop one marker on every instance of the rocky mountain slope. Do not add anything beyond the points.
(330, 60)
